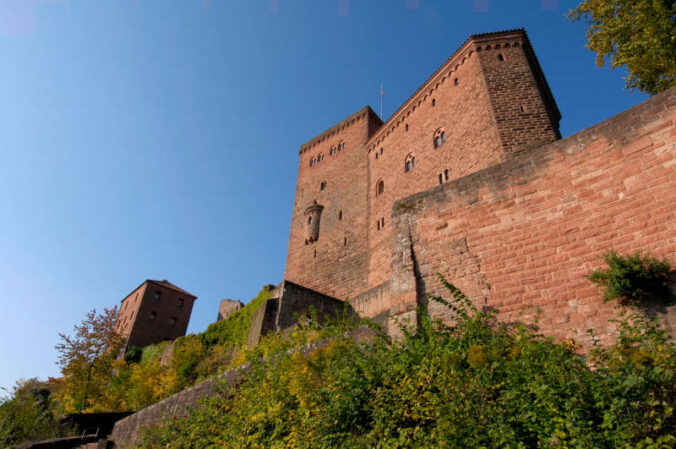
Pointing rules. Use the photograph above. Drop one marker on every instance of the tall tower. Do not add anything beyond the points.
(327, 250)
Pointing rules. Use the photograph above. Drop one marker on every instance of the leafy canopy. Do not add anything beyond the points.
(25, 414)
(637, 34)
(87, 360)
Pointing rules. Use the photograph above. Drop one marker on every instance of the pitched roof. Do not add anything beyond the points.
(165, 283)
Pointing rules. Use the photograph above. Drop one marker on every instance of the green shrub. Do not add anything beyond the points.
(632, 278)
(478, 383)
(133, 354)
(25, 415)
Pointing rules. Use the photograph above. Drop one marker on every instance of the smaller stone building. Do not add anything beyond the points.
(228, 307)
(153, 312)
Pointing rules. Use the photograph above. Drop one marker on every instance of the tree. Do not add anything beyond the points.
(25, 414)
(87, 359)
(637, 34)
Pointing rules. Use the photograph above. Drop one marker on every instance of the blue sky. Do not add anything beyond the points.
(158, 139)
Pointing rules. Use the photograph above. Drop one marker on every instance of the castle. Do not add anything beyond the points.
(469, 178)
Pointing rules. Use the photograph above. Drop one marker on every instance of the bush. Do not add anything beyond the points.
(478, 383)
(25, 415)
(632, 278)
(133, 354)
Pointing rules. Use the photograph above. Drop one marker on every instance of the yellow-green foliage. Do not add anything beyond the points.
(233, 332)
(163, 369)
(477, 384)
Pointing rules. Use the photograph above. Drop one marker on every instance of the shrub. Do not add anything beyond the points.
(632, 278)
(477, 383)
(133, 354)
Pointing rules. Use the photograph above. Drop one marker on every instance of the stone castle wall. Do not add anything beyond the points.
(521, 236)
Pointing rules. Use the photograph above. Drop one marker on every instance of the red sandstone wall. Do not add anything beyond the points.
(522, 235)
(129, 310)
(523, 106)
(134, 318)
(334, 264)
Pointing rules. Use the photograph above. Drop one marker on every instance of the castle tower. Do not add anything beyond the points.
(153, 312)
(489, 99)
(327, 250)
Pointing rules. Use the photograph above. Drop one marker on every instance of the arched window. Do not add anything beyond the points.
(409, 163)
(439, 137)
(380, 187)
(322, 186)
(500, 57)
(313, 161)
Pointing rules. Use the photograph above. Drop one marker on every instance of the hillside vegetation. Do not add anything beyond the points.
(478, 383)
(154, 372)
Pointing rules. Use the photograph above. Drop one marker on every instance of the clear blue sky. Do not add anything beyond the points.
(159, 139)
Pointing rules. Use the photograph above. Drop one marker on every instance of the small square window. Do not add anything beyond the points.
(180, 302)
(153, 315)
(158, 294)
